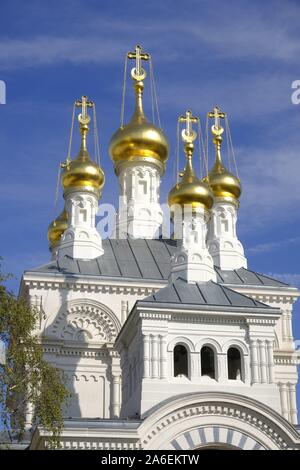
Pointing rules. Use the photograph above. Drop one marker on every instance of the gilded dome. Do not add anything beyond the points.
(223, 183)
(57, 228)
(83, 171)
(139, 140)
(191, 190)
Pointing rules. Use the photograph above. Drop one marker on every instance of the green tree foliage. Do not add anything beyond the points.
(26, 377)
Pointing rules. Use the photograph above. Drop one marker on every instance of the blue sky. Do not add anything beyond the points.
(240, 55)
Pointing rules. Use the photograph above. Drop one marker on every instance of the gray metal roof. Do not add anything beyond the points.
(206, 293)
(144, 259)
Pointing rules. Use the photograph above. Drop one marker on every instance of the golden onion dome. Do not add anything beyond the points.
(191, 190)
(224, 184)
(139, 140)
(83, 171)
(57, 228)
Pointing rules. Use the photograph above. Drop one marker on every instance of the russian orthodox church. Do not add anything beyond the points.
(165, 343)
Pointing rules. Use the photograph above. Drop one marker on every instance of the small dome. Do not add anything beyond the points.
(191, 190)
(223, 183)
(57, 228)
(139, 140)
(82, 172)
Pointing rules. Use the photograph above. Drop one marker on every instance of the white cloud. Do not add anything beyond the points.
(244, 32)
(253, 96)
(270, 179)
(266, 247)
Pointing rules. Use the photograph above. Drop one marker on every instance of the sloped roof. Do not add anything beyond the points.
(144, 259)
(206, 293)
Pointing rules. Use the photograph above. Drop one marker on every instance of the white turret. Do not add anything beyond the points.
(223, 244)
(139, 151)
(193, 199)
(82, 180)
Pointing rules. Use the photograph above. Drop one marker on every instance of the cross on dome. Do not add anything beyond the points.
(138, 73)
(217, 114)
(84, 103)
(188, 134)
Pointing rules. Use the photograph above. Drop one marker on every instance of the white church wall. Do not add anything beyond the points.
(78, 325)
(161, 335)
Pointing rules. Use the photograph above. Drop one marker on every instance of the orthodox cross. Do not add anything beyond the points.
(217, 114)
(84, 103)
(188, 134)
(138, 73)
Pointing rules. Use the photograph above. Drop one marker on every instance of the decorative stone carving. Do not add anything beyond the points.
(85, 321)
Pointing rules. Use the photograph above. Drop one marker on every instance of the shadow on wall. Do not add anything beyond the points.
(80, 339)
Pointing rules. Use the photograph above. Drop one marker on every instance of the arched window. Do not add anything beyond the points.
(234, 364)
(208, 362)
(180, 361)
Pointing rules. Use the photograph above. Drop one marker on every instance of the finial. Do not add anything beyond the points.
(188, 135)
(84, 120)
(138, 73)
(217, 131)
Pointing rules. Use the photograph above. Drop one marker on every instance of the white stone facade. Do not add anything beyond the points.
(192, 260)
(81, 240)
(81, 318)
(147, 359)
(140, 214)
(223, 244)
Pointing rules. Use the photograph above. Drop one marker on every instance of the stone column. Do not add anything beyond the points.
(115, 401)
(154, 357)
(246, 377)
(146, 356)
(124, 311)
(115, 396)
(222, 368)
(284, 400)
(263, 362)
(270, 361)
(293, 403)
(163, 357)
(283, 324)
(254, 361)
(289, 325)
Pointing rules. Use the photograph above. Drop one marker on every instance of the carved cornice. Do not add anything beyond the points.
(205, 318)
(77, 352)
(96, 287)
(266, 297)
(284, 360)
(261, 321)
(93, 443)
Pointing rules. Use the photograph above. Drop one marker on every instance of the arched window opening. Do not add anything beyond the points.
(180, 361)
(234, 364)
(208, 362)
